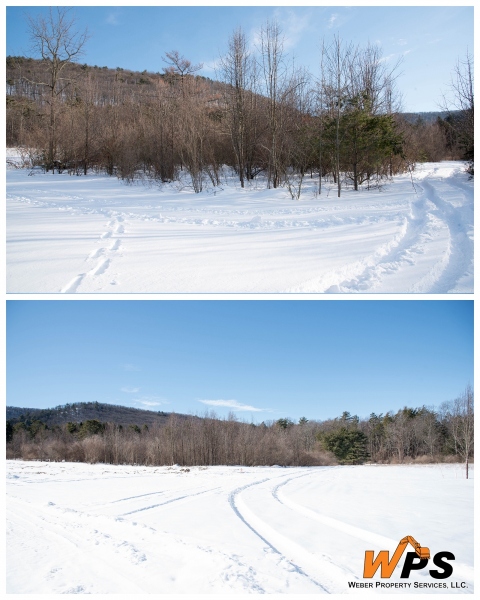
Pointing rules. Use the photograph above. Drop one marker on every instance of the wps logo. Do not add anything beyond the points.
(414, 561)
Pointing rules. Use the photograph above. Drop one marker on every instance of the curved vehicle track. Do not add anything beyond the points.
(457, 216)
(435, 242)
(432, 217)
(321, 570)
(320, 567)
(397, 255)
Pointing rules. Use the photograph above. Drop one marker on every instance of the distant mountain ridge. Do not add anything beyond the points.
(426, 117)
(84, 411)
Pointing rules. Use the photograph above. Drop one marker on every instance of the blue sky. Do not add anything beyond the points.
(429, 39)
(262, 359)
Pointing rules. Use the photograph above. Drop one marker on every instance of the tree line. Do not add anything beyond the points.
(263, 116)
(419, 435)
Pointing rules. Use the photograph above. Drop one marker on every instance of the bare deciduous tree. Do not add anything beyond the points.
(57, 41)
(239, 74)
(179, 66)
(272, 55)
(460, 416)
(462, 86)
(337, 57)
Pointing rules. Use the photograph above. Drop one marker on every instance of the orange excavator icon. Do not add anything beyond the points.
(422, 551)
(387, 566)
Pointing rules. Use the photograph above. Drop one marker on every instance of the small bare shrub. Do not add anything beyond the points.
(451, 459)
(93, 449)
(29, 452)
(425, 459)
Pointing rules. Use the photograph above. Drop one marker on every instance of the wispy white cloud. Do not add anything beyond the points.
(293, 26)
(112, 19)
(233, 404)
(387, 58)
(332, 20)
(130, 390)
(211, 66)
(150, 401)
(254, 38)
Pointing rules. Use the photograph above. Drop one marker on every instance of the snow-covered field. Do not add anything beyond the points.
(95, 234)
(78, 528)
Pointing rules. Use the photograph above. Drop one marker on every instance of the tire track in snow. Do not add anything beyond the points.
(430, 213)
(460, 251)
(185, 497)
(362, 534)
(98, 534)
(272, 538)
(133, 497)
(380, 541)
(398, 254)
(365, 274)
(338, 573)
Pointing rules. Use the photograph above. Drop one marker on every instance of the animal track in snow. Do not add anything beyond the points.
(101, 267)
(71, 287)
(96, 253)
(102, 253)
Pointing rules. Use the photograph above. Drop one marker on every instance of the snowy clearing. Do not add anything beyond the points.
(79, 528)
(95, 234)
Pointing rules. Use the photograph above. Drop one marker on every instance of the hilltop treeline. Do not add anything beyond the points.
(86, 411)
(263, 115)
(411, 434)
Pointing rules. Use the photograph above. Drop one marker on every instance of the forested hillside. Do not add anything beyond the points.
(83, 411)
(263, 115)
